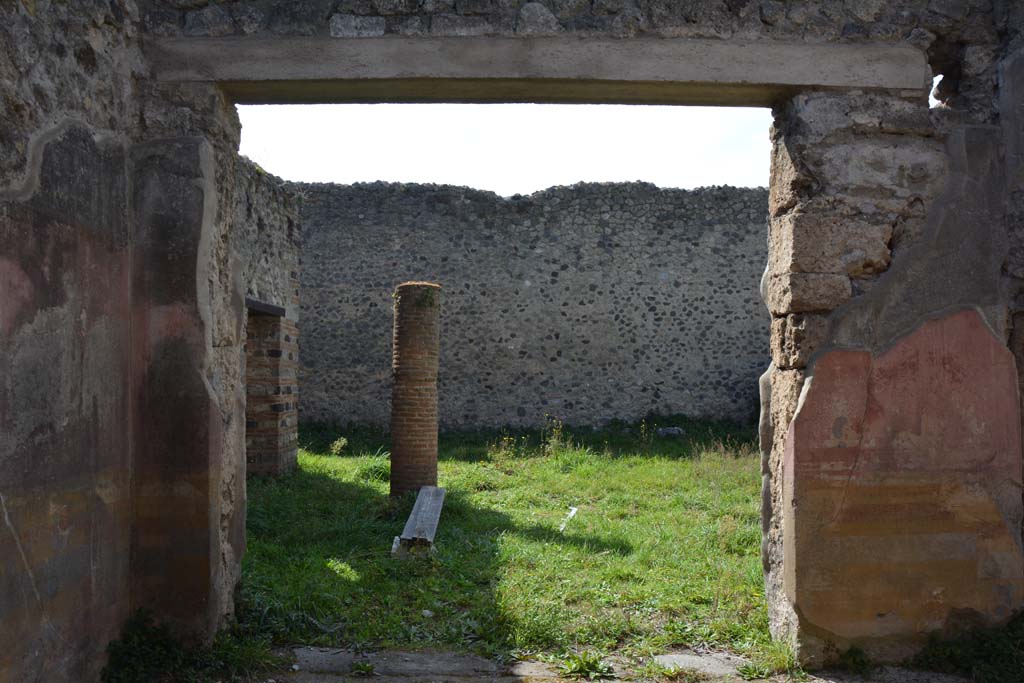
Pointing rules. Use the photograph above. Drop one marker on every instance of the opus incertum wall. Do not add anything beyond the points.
(895, 254)
(586, 303)
(265, 239)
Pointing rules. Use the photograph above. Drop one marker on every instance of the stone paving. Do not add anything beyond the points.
(334, 665)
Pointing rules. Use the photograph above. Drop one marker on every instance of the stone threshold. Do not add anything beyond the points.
(335, 665)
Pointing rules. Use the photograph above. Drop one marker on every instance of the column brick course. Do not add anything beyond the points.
(272, 394)
(414, 361)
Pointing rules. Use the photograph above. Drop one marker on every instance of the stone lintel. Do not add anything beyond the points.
(542, 69)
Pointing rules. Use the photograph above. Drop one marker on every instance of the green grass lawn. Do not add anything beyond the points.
(663, 551)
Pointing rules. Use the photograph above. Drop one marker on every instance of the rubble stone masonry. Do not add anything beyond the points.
(588, 303)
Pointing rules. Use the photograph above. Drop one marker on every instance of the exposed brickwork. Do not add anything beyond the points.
(415, 357)
(271, 388)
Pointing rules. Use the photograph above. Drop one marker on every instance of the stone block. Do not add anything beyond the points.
(536, 19)
(821, 116)
(806, 292)
(353, 26)
(209, 21)
(361, 7)
(407, 25)
(901, 504)
(162, 22)
(395, 6)
(456, 25)
(796, 337)
(300, 17)
(438, 6)
(711, 664)
(822, 241)
(881, 167)
(567, 9)
(474, 6)
(611, 6)
(789, 181)
(248, 18)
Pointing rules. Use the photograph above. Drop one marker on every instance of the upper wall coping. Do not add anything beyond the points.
(544, 69)
(382, 187)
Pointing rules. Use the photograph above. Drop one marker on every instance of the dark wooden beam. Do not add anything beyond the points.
(262, 308)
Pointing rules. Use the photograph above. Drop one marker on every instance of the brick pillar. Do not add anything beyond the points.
(271, 395)
(414, 364)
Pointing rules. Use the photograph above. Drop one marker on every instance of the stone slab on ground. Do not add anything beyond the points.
(331, 665)
(334, 665)
(324, 659)
(718, 664)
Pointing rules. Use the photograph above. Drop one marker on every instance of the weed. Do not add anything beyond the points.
(338, 445)
(752, 672)
(149, 653)
(362, 669)
(585, 664)
(770, 658)
(553, 437)
(653, 671)
(375, 468)
(646, 432)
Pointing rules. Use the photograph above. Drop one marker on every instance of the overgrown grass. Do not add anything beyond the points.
(663, 551)
(149, 653)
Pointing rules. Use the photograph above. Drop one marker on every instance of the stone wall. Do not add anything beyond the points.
(121, 442)
(266, 240)
(266, 236)
(589, 303)
(66, 101)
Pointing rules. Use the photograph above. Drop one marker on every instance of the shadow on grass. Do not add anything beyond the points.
(617, 438)
(319, 571)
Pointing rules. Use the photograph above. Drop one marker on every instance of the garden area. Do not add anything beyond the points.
(631, 539)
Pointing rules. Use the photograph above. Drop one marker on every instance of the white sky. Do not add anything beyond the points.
(509, 148)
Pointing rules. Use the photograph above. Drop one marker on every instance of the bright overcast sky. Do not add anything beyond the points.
(509, 148)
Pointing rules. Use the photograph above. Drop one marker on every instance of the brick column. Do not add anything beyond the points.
(414, 364)
(271, 396)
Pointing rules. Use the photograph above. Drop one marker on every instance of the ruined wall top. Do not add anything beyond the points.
(970, 21)
(962, 38)
(266, 236)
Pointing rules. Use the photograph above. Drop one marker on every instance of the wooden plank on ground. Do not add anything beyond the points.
(421, 526)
